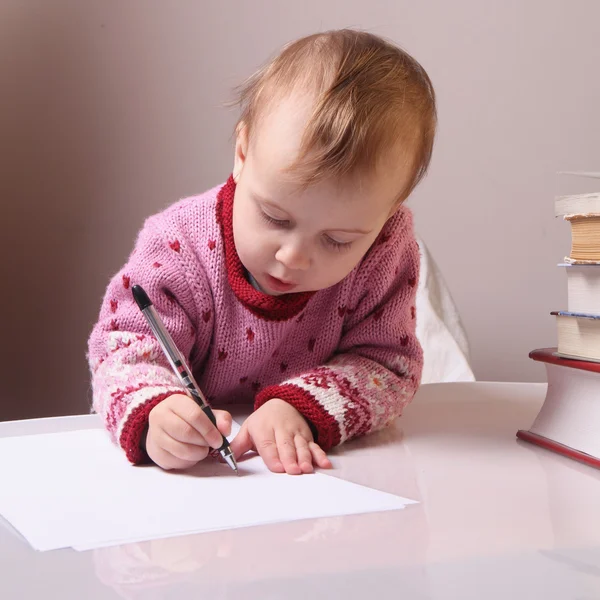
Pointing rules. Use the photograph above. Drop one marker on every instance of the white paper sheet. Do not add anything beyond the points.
(76, 489)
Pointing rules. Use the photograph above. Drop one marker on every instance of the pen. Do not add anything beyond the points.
(179, 365)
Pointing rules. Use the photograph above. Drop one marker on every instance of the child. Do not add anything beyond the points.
(292, 286)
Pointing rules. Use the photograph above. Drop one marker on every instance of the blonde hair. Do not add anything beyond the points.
(370, 97)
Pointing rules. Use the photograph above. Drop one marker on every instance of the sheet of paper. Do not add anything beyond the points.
(77, 489)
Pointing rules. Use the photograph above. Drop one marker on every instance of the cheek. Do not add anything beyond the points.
(252, 240)
(333, 268)
(242, 231)
(349, 260)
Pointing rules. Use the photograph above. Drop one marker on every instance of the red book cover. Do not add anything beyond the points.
(547, 355)
(548, 444)
(571, 409)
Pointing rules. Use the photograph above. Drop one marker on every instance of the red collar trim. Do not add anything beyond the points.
(270, 308)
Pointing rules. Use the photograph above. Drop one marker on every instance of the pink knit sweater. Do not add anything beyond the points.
(346, 357)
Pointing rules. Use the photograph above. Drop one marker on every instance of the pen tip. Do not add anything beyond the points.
(230, 460)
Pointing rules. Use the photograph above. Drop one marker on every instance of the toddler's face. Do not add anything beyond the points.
(293, 239)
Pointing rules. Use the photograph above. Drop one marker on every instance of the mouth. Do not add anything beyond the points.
(279, 285)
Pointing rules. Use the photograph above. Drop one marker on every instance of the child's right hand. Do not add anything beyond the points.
(180, 434)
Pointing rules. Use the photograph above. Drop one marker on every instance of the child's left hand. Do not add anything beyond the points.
(280, 434)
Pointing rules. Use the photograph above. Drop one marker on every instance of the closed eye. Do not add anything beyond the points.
(337, 245)
(272, 221)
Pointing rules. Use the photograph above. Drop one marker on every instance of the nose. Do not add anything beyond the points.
(293, 256)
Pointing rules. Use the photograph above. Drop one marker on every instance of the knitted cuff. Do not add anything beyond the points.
(132, 437)
(328, 433)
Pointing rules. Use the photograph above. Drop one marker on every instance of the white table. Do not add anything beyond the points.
(497, 519)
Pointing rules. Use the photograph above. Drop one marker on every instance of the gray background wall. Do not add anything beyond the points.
(109, 111)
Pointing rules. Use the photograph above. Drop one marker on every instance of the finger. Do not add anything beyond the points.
(165, 460)
(305, 458)
(224, 421)
(191, 453)
(179, 429)
(319, 456)
(287, 453)
(266, 446)
(241, 443)
(191, 413)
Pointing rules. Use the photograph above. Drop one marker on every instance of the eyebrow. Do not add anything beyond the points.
(337, 230)
(270, 203)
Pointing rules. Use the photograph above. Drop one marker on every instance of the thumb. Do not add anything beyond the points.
(242, 442)
(224, 421)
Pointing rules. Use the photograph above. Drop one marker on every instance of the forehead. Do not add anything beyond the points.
(274, 146)
(277, 133)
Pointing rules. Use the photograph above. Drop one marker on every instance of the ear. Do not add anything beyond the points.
(241, 150)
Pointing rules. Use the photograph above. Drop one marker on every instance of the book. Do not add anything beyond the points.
(569, 420)
(585, 237)
(583, 288)
(578, 336)
(577, 204)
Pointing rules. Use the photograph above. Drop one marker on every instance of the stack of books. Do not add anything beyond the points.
(569, 420)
